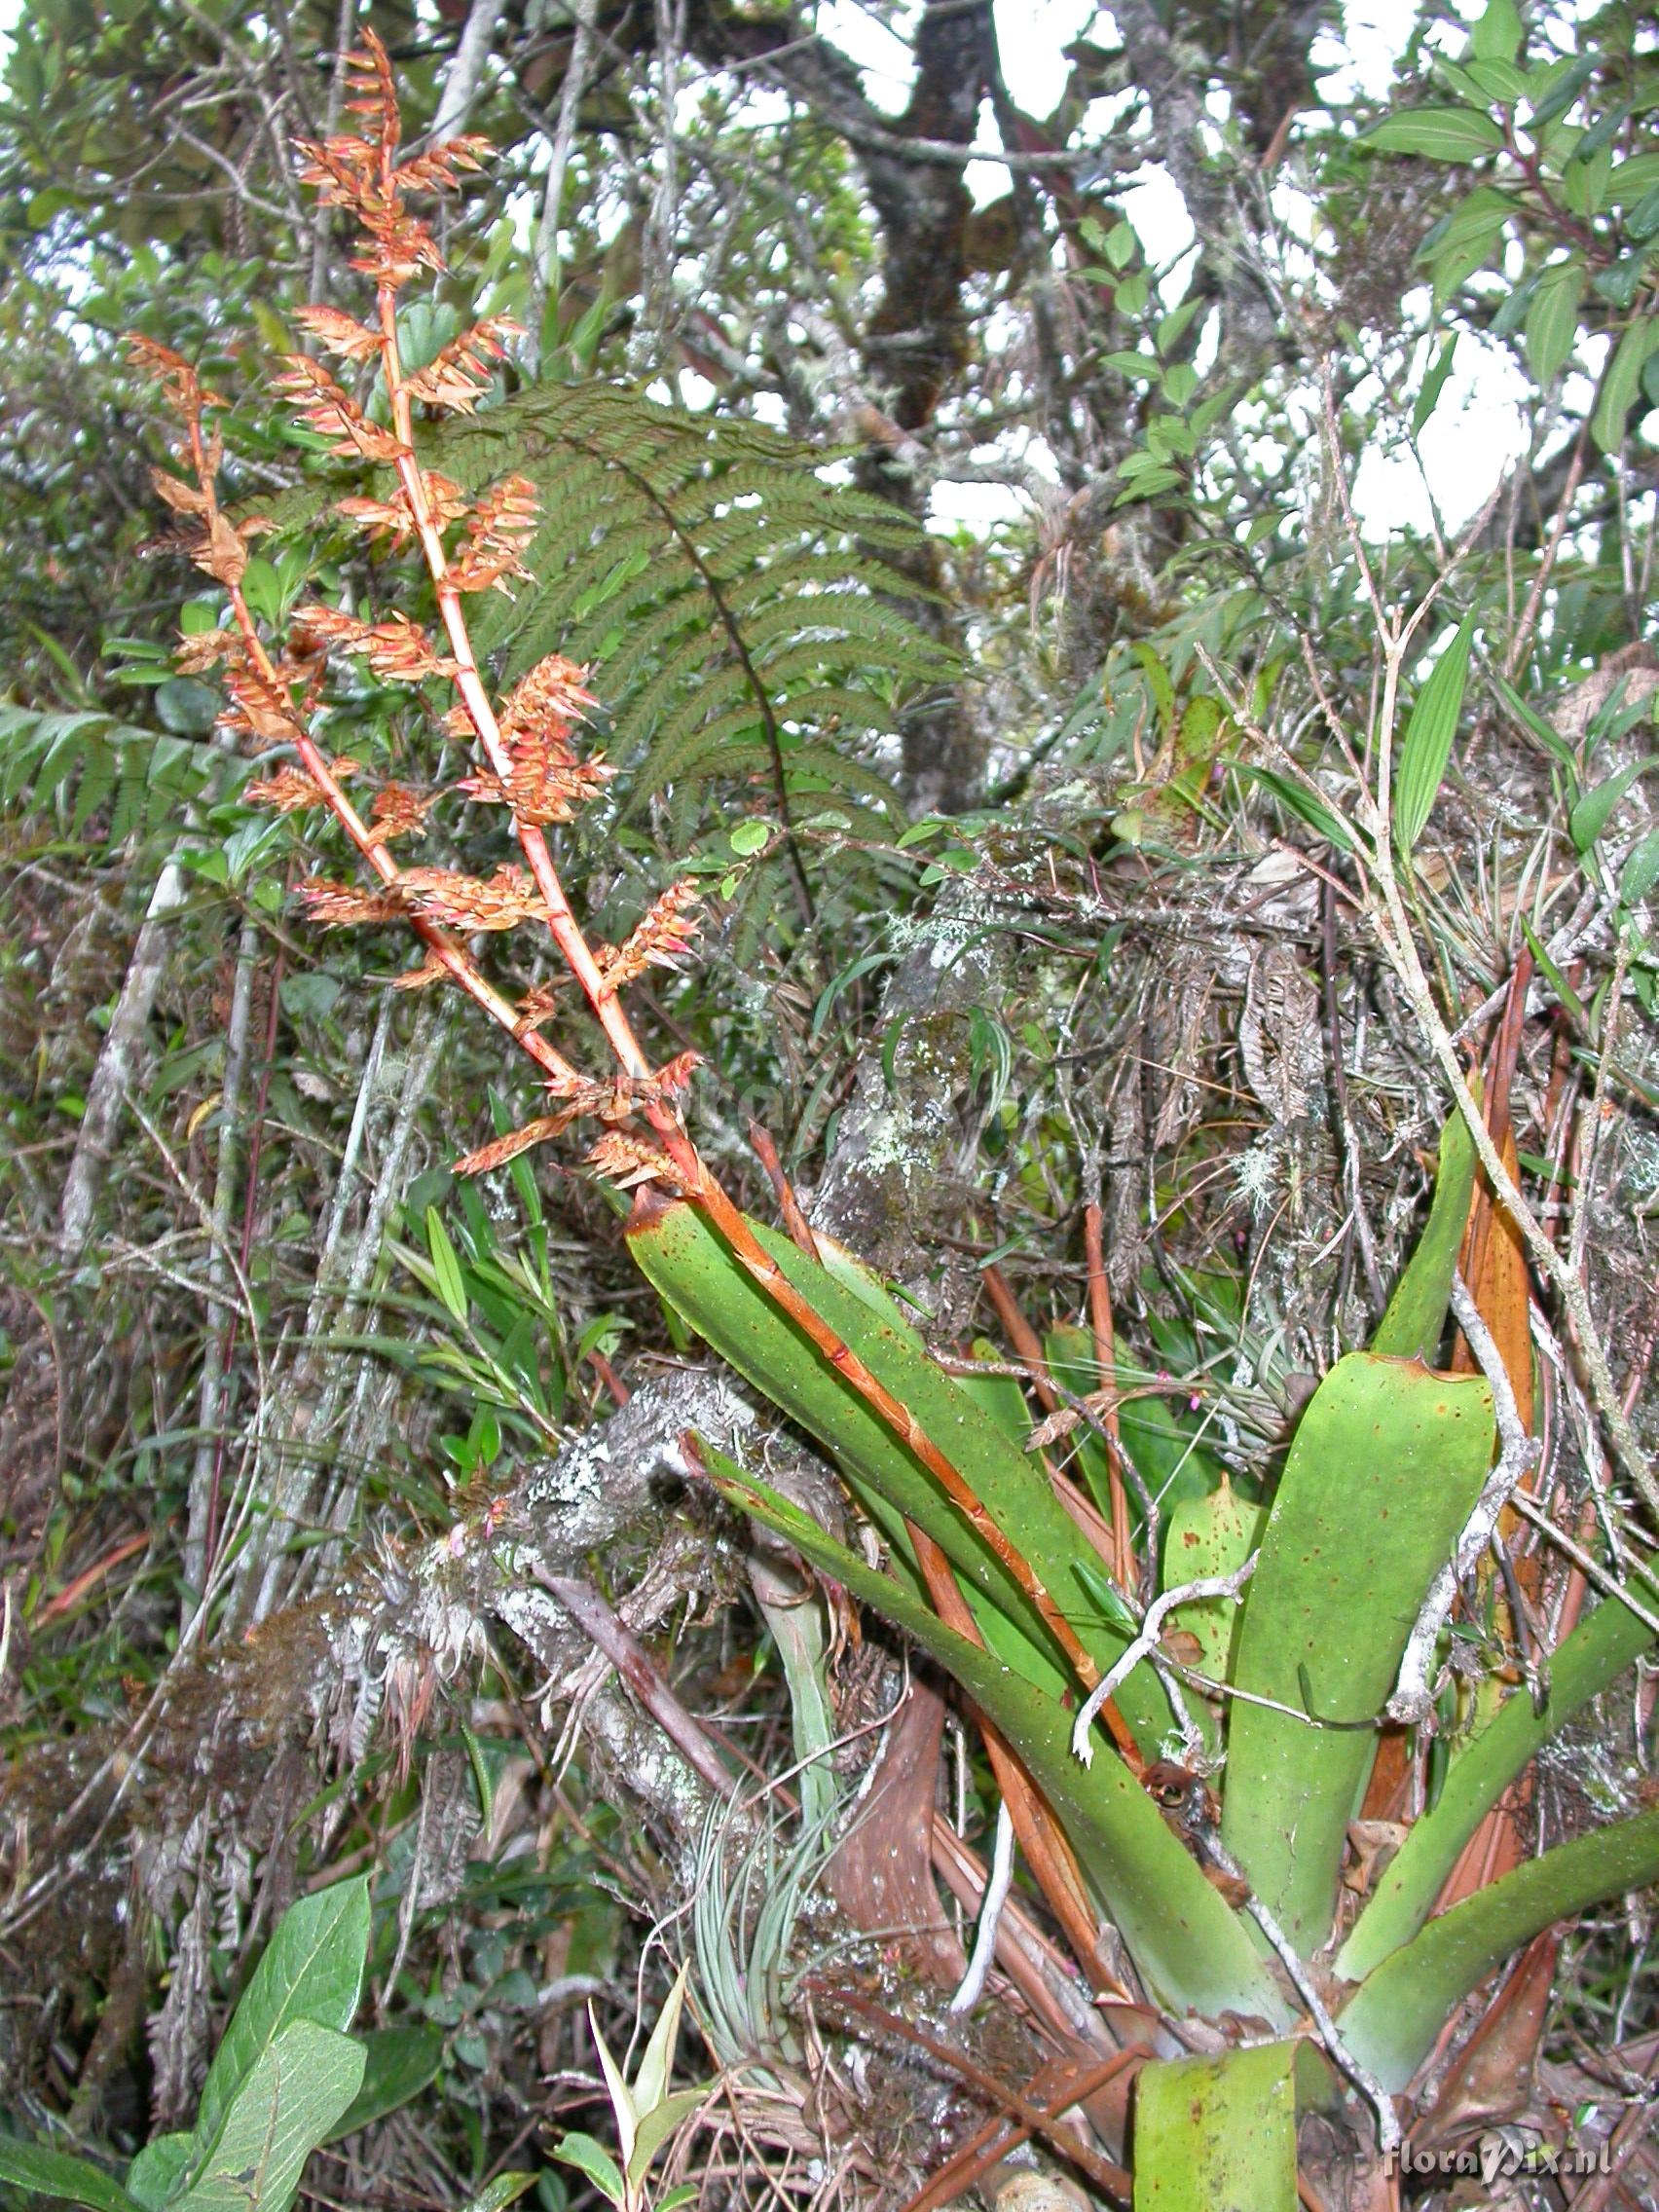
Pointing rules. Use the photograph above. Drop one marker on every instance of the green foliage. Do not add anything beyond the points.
(1589, 1661)
(647, 2111)
(733, 600)
(97, 774)
(1191, 1949)
(1214, 2131)
(1426, 750)
(1385, 1470)
(1415, 1317)
(285, 2079)
(1392, 2022)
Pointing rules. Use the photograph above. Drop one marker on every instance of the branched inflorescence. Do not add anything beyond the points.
(531, 762)
(527, 758)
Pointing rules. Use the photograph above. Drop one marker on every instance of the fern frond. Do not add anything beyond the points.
(732, 602)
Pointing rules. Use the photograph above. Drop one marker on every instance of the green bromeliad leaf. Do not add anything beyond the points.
(1411, 1327)
(685, 1258)
(1385, 1467)
(1392, 2025)
(1218, 2131)
(1191, 1947)
(1594, 1656)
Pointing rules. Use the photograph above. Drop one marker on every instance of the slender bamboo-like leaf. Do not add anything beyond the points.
(1192, 1948)
(446, 1267)
(1551, 319)
(1594, 1655)
(1428, 747)
(1386, 1464)
(1415, 1319)
(686, 1259)
(1221, 2132)
(1594, 810)
(1621, 381)
(1392, 2021)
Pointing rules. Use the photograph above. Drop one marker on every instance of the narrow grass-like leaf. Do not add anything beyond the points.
(1427, 747)
(1387, 1463)
(446, 1267)
(1218, 2131)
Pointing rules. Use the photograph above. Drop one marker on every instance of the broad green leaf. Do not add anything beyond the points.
(1427, 746)
(1385, 1465)
(1622, 382)
(399, 2064)
(1594, 810)
(683, 1256)
(617, 2088)
(1594, 1656)
(593, 2160)
(287, 2103)
(1497, 32)
(1415, 1319)
(1437, 134)
(446, 1267)
(1192, 1948)
(312, 1969)
(1392, 2022)
(1209, 1537)
(1551, 319)
(1221, 2132)
(44, 2172)
(157, 2174)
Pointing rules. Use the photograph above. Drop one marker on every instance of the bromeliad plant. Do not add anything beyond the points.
(1320, 1626)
